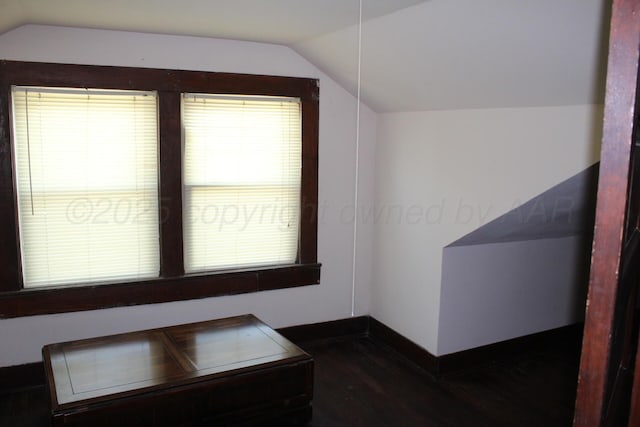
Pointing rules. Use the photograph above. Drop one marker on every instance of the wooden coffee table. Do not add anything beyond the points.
(221, 372)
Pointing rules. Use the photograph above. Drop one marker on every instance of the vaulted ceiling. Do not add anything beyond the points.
(416, 54)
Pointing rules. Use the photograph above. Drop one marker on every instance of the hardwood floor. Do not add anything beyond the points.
(359, 382)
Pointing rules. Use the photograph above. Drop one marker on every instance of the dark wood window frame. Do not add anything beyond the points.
(173, 284)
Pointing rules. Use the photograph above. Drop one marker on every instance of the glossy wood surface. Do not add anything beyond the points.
(610, 334)
(109, 368)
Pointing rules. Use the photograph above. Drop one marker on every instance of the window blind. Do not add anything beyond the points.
(87, 186)
(241, 174)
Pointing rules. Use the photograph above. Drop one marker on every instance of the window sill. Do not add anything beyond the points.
(30, 302)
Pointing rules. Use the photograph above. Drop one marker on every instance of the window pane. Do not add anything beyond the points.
(242, 169)
(86, 163)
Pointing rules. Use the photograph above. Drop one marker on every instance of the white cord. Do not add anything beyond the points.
(355, 195)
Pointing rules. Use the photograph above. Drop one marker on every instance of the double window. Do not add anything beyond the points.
(124, 186)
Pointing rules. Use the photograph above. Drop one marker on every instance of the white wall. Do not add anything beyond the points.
(442, 174)
(438, 176)
(24, 337)
(498, 291)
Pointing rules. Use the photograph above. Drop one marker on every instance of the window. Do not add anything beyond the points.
(241, 177)
(86, 168)
(172, 199)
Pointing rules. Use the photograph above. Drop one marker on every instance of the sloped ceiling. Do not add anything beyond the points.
(269, 21)
(456, 54)
(416, 54)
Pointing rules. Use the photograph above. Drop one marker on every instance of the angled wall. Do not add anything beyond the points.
(447, 173)
(497, 291)
(522, 273)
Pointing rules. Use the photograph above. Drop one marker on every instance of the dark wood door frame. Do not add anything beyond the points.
(610, 335)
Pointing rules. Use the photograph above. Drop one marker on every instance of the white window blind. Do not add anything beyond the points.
(241, 172)
(87, 184)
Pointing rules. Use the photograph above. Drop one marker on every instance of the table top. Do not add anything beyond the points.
(107, 368)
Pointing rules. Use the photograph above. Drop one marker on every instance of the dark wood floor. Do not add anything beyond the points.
(361, 383)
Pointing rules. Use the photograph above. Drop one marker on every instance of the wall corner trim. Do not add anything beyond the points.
(14, 378)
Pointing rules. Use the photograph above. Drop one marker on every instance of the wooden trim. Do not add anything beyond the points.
(15, 377)
(595, 378)
(173, 284)
(31, 302)
(381, 333)
(22, 376)
(469, 359)
(288, 277)
(327, 330)
(309, 184)
(9, 251)
(570, 335)
(153, 79)
(170, 166)
(634, 411)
